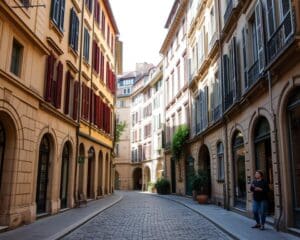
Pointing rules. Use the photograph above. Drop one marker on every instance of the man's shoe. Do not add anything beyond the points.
(256, 226)
(262, 227)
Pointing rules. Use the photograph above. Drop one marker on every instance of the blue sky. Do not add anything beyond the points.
(141, 24)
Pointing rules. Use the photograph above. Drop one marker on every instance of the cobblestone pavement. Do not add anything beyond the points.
(142, 216)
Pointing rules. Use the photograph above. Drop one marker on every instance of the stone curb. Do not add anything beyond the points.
(76, 225)
(231, 234)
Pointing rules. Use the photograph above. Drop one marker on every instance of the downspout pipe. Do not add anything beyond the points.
(277, 148)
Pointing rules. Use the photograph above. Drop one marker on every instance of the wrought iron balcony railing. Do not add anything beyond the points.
(281, 37)
(228, 11)
(253, 74)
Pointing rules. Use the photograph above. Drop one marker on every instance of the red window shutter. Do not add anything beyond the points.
(49, 77)
(83, 100)
(67, 93)
(75, 100)
(59, 78)
(98, 62)
(93, 54)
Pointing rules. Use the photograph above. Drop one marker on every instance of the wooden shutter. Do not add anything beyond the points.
(83, 100)
(75, 100)
(76, 33)
(62, 15)
(244, 46)
(59, 78)
(234, 68)
(205, 108)
(67, 93)
(72, 28)
(270, 17)
(49, 77)
(260, 35)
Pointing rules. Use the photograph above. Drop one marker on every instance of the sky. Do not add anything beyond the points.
(141, 26)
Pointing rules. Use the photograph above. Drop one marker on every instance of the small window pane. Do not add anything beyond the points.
(16, 58)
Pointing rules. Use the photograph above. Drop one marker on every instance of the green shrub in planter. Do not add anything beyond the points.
(162, 186)
(150, 186)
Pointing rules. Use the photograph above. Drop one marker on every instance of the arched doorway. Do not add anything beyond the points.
(204, 164)
(43, 173)
(81, 169)
(239, 170)
(100, 174)
(2, 149)
(66, 156)
(90, 176)
(263, 156)
(189, 173)
(117, 180)
(293, 116)
(137, 179)
(147, 178)
(106, 173)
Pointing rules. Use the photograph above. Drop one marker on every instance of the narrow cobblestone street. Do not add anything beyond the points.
(142, 216)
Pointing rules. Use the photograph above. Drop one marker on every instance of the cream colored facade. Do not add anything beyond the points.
(39, 124)
(244, 90)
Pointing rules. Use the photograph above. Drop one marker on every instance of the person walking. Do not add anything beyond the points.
(260, 189)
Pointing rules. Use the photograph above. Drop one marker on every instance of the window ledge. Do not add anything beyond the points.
(74, 53)
(56, 29)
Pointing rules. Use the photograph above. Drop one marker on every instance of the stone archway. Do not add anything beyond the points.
(263, 156)
(64, 177)
(81, 170)
(293, 129)
(205, 165)
(100, 174)
(239, 170)
(90, 174)
(137, 179)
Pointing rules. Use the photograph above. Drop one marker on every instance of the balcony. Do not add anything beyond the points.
(228, 11)
(253, 74)
(281, 38)
(228, 99)
(217, 111)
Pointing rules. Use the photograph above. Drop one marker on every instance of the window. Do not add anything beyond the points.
(178, 77)
(58, 13)
(89, 4)
(53, 81)
(86, 45)
(212, 26)
(220, 156)
(16, 58)
(74, 30)
(71, 96)
(179, 117)
(97, 12)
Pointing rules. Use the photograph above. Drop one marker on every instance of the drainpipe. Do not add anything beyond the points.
(277, 152)
(76, 193)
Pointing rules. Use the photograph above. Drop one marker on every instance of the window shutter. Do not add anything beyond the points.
(270, 16)
(244, 46)
(72, 25)
(55, 11)
(67, 93)
(59, 84)
(76, 33)
(62, 15)
(234, 68)
(75, 102)
(83, 101)
(49, 77)
(205, 114)
(260, 35)
(94, 54)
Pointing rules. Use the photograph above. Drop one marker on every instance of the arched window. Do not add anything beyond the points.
(221, 165)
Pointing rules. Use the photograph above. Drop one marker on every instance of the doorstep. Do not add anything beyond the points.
(294, 231)
(3, 228)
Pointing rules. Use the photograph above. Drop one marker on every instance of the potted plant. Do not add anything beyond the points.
(200, 186)
(162, 186)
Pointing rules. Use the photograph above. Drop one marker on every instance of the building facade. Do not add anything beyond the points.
(140, 102)
(244, 100)
(48, 60)
(175, 74)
